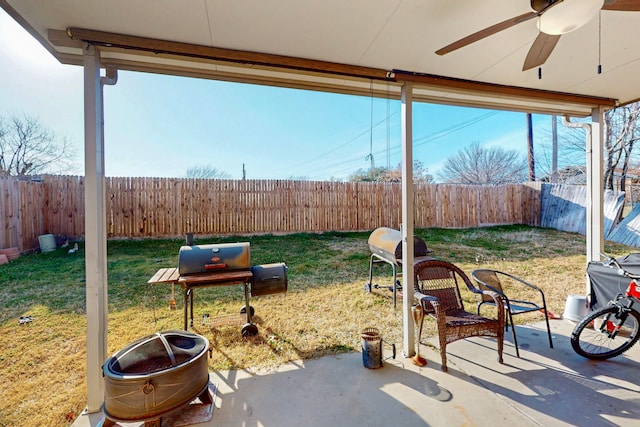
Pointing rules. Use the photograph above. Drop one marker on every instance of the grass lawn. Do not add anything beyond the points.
(42, 363)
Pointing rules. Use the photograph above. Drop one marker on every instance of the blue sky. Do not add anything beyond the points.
(159, 126)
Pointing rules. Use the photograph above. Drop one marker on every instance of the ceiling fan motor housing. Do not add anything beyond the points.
(540, 5)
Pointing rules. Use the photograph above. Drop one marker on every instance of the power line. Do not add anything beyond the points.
(448, 131)
(351, 164)
(361, 134)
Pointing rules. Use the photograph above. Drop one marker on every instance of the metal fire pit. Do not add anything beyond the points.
(156, 376)
(386, 246)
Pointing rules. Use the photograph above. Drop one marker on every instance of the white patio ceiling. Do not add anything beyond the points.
(344, 45)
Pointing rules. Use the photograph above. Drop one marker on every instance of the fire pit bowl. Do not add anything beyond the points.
(155, 375)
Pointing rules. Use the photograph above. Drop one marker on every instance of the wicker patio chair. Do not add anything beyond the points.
(436, 289)
(494, 280)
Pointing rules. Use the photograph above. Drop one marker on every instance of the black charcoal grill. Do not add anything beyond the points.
(228, 264)
(386, 246)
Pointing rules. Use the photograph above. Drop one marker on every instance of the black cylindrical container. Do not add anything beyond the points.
(269, 279)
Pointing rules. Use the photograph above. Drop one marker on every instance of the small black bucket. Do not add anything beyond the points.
(372, 348)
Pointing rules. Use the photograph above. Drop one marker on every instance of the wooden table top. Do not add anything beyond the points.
(165, 275)
(171, 275)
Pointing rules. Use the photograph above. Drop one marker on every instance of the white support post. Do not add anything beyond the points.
(595, 185)
(95, 230)
(595, 207)
(595, 188)
(407, 220)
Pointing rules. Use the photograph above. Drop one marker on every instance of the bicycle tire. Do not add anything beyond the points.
(598, 345)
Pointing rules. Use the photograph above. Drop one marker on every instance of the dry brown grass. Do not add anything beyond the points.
(42, 364)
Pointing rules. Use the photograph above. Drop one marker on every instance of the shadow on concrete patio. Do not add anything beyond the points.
(545, 387)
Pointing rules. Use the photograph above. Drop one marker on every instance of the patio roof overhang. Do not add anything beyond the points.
(135, 53)
(287, 44)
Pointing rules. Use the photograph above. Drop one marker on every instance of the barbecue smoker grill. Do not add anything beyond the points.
(386, 246)
(201, 266)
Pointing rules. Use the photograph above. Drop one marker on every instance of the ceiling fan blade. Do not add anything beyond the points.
(622, 5)
(486, 32)
(540, 50)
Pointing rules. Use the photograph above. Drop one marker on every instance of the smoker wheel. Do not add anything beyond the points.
(249, 330)
(243, 310)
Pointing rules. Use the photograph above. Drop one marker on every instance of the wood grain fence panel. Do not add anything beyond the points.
(171, 207)
(7, 212)
(11, 234)
(317, 200)
(31, 205)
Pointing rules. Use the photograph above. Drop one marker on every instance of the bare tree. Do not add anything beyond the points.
(206, 172)
(27, 148)
(481, 165)
(622, 131)
(570, 154)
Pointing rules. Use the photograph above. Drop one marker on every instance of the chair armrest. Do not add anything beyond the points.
(497, 297)
(498, 300)
(429, 303)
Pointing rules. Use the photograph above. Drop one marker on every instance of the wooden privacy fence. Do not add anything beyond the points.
(171, 207)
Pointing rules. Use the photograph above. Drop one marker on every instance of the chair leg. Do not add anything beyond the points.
(546, 319)
(507, 321)
(513, 332)
(443, 351)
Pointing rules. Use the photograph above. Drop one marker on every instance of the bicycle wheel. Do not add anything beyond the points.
(594, 340)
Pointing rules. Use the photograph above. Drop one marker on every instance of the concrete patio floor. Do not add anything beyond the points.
(544, 387)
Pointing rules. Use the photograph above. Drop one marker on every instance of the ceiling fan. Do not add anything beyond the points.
(555, 17)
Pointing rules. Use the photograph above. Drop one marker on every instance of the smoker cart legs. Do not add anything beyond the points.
(395, 282)
(187, 293)
(248, 330)
(367, 287)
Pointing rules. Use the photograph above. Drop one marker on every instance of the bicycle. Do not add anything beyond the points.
(614, 329)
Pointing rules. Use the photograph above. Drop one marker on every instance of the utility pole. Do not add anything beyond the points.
(532, 163)
(244, 173)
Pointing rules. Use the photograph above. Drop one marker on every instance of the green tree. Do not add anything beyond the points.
(369, 175)
(382, 174)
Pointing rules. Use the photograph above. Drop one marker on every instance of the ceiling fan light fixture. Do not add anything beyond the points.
(565, 16)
